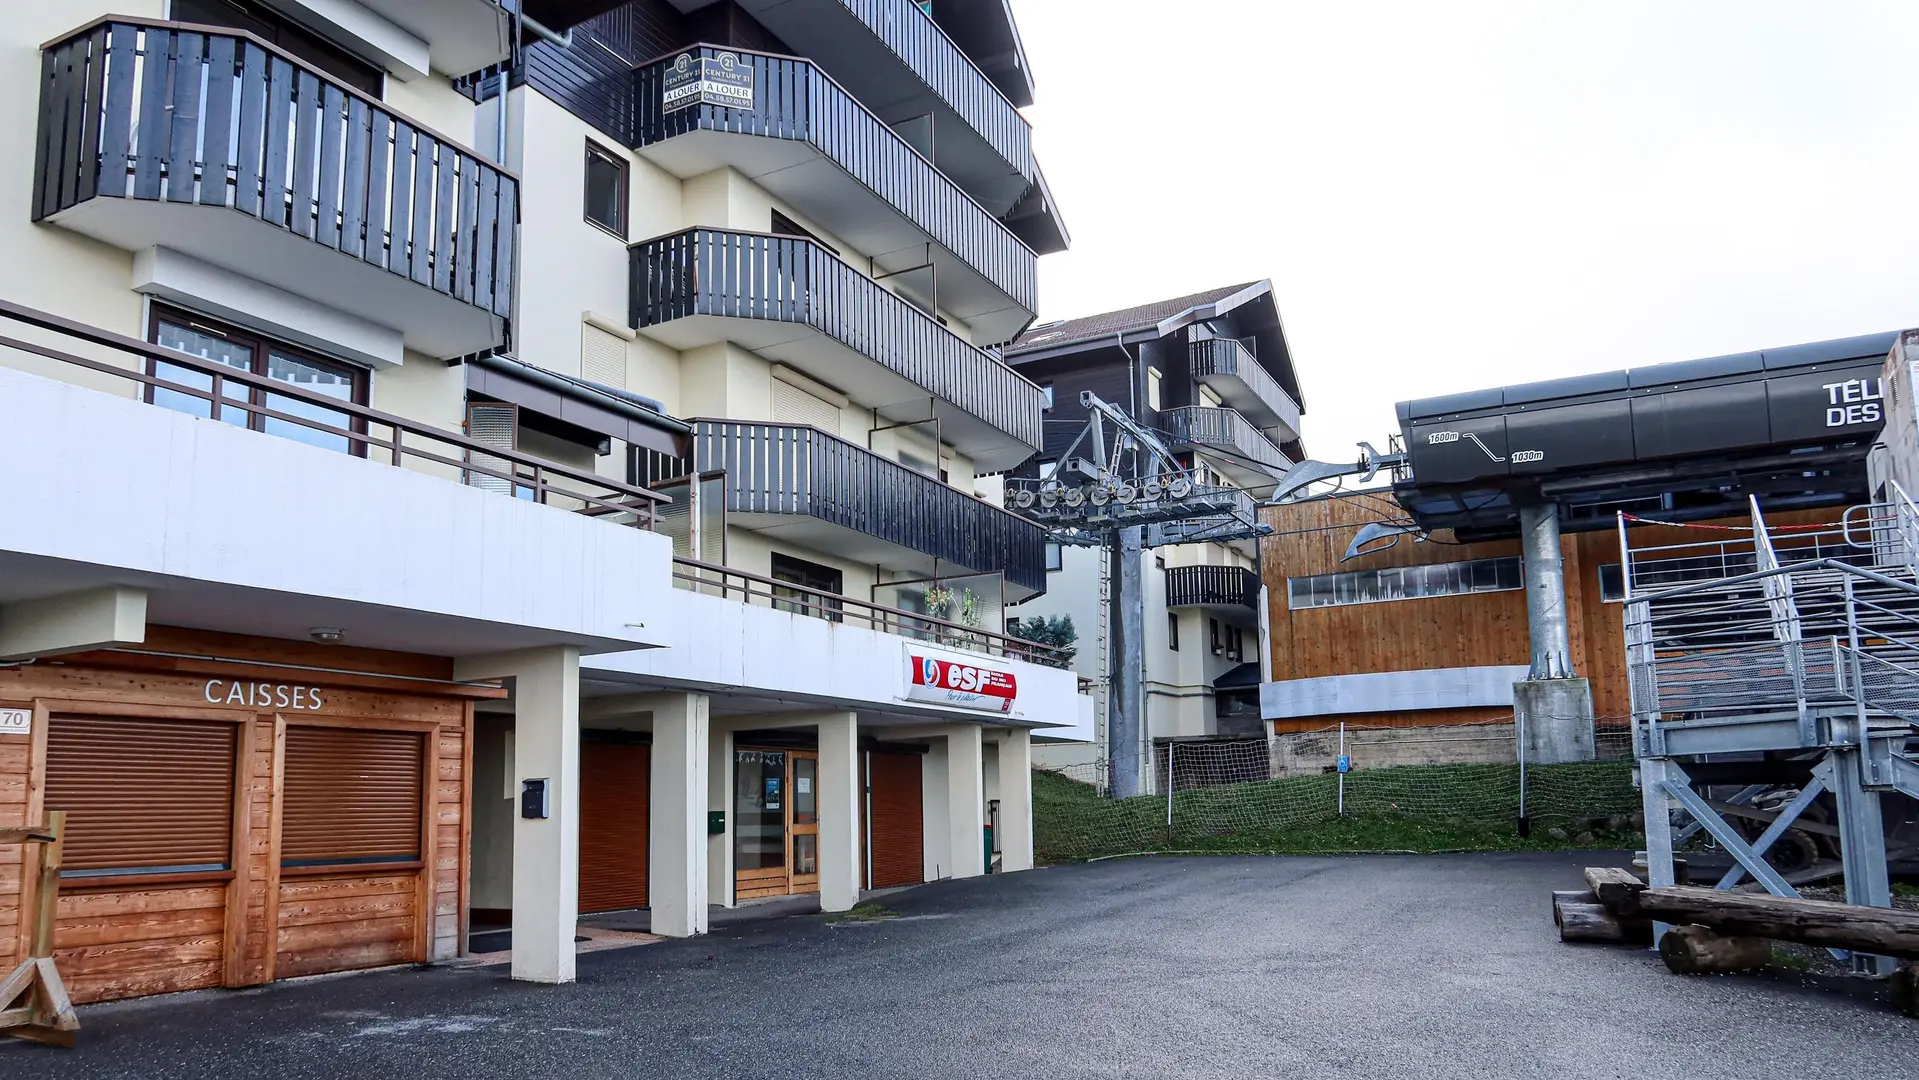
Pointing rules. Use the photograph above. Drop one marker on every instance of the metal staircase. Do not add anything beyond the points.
(1797, 646)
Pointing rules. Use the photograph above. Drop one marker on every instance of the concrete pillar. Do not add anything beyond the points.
(1545, 591)
(719, 851)
(1016, 801)
(1553, 720)
(966, 800)
(546, 851)
(676, 873)
(839, 808)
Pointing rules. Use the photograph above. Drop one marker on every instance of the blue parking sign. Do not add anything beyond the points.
(1345, 763)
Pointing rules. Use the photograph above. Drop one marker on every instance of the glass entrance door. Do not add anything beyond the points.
(776, 823)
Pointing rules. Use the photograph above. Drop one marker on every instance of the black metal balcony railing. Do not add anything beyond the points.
(792, 99)
(1212, 586)
(1225, 357)
(165, 112)
(793, 469)
(787, 279)
(919, 42)
(1205, 427)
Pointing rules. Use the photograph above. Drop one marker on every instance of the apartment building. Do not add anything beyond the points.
(505, 465)
(1212, 375)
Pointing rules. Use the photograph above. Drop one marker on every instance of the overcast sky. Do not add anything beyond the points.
(1456, 195)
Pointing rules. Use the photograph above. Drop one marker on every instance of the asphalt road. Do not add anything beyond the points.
(1376, 967)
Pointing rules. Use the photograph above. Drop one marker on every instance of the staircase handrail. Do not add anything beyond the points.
(1759, 576)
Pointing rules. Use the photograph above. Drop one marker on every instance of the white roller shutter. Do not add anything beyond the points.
(602, 357)
(792, 405)
(495, 424)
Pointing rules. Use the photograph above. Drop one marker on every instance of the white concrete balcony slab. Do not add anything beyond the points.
(243, 531)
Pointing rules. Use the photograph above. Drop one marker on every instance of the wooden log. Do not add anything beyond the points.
(1592, 922)
(1617, 889)
(1885, 931)
(1905, 989)
(1569, 896)
(1680, 874)
(1700, 950)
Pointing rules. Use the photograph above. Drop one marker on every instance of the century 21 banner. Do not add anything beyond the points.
(967, 686)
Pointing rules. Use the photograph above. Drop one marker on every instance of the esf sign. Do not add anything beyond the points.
(966, 686)
(1854, 401)
(725, 80)
(262, 695)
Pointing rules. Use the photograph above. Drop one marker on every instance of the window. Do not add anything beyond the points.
(1612, 582)
(142, 796)
(1404, 583)
(218, 343)
(1055, 558)
(1172, 631)
(606, 189)
(811, 589)
(786, 226)
(353, 797)
(1235, 643)
(1152, 388)
(1213, 625)
(269, 26)
(1047, 389)
(1048, 470)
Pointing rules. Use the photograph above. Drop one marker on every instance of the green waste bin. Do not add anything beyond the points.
(989, 849)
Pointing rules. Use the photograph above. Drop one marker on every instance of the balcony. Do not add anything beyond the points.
(826, 493)
(459, 35)
(295, 510)
(1230, 370)
(903, 66)
(219, 146)
(791, 300)
(1228, 441)
(1212, 587)
(799, 135)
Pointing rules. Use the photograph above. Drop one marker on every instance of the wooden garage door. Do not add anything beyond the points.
(149, 802)
(613, 824)
(898, 825)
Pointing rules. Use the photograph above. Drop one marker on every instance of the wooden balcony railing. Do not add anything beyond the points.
(919, 42)
(240, 396)
(174, 113)
(794, 469)
(787, 279)
(1204, 427)
(1212, 586)
(1225, 357)
(793, 99)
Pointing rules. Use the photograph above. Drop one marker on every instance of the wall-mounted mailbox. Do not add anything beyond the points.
(533, 798)
(716, 823)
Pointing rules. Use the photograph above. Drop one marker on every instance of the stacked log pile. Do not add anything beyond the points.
(1722, 931)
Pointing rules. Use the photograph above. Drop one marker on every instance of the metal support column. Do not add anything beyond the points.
(1862, 844)
(1545, 592)
(1657, 806)
(1125, 723)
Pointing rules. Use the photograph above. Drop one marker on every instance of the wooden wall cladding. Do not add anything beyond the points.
(253, 922)
(1472, 630)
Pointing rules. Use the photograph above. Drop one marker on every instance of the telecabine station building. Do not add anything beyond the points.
(1213, 376)
(449, 518)
(1511, 603)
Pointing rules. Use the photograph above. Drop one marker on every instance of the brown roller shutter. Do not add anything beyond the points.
(613, 824)
(898, 824)
(351, 796)
(153, 795)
